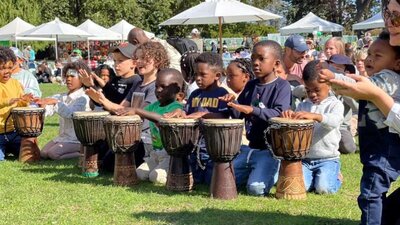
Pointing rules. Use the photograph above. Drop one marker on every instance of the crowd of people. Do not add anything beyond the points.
(335, 88)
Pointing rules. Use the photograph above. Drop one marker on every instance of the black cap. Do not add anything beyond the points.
(126, 49)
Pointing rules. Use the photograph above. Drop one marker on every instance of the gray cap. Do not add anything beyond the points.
(126, 49)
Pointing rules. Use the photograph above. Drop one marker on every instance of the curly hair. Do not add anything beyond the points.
(77, 65)
(245, 65)
(6, 54)
(188, 65)
(154, 50)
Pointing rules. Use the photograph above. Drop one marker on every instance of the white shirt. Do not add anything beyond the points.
(67, 105)
(326, 135)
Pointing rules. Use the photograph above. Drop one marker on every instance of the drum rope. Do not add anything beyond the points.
(5, 128)
(197, 149)
(266, 133)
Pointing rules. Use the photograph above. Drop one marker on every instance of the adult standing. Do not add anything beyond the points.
(364, 89)
(294, 56)
(137, 36)
(195, 34)
(32, 54)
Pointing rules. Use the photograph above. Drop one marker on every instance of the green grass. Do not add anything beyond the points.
(53, 192)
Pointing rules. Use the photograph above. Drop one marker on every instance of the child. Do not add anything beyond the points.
(204, 103)
(321, 167)
(168, 86)
(359, 60)
(105, 72)
(262, 98)
(26, 78)
(334, 46)
(66, 144)
(150, 57)
(12, 95)
(118, 87)
(343, 64)
(379, 144)
(239, 72)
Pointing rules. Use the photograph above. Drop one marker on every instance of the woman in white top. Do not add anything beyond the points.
(66, 144)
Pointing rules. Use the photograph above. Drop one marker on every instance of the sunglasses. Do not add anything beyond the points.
(394, 17)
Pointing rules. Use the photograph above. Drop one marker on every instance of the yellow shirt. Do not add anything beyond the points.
(9, 90)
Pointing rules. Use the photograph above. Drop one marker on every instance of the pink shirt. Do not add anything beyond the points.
(297, 69)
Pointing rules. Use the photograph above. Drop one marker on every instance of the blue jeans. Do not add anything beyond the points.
(322, 175)
(10, 142)
(202, 174)
(256, 168)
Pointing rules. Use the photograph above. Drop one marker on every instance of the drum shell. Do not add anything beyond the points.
(28, 122)
(290, 141)
(122, 135)
(223, 140)
(179, 138)
(89, 128)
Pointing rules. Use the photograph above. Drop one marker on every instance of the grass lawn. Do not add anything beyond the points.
(53, 192)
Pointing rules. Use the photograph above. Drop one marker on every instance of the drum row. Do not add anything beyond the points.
(290, 140)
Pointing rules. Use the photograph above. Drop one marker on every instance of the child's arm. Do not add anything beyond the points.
(99, 97)
(331, 119)
(153, 117)
(66, 111)
(177, 113)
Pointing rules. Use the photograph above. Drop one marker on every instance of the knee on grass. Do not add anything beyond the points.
(257, 189)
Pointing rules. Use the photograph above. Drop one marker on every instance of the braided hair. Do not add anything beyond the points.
(245, 65)
(188, 64)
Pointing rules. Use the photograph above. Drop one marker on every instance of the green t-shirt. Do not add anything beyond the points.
(156, 108)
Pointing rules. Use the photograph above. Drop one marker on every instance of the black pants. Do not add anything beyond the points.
(391, 209)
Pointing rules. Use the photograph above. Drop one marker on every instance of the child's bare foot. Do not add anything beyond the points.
(340, 177)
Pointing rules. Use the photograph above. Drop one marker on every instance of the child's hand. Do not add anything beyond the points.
(27, 97)
(288, 114)
(86, 78)
(325, 75)
(96, 96)
(125, 111)
(227, 98)
(100, 81)
(46, 101)
(13, 101)
(196, 115)
(246, 109)
(307, 116)
(178, 113)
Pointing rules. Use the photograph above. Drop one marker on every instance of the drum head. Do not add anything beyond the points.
(27, 109)
(177, 121)
(90, 113)
(134, 118)
(289, 121)
(222, 121)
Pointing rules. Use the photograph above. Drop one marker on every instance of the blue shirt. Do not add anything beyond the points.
(268, 100)
(207, 101)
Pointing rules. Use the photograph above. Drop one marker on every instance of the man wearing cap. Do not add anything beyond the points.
(195, 36)
(294, 56)
(76, 55)
(27, 79)
(137, 36)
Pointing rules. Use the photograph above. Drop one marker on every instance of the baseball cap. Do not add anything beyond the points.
(342, 60)
(77, 51)
(18, 53)
(195, 31)
(296, 42)
(126, 49)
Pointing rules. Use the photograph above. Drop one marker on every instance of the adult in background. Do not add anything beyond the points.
(26, 78)
(294, 56)
(137, 36)
(364, 89)
(32, 54)
(195, 34)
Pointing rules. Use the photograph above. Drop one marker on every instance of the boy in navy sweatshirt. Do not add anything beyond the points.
(263, 98)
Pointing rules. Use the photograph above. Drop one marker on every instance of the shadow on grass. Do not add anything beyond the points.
(210, 216)
(52, 125)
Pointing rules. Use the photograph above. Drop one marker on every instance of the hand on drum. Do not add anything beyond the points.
(126, 111)
(24, 98)
(307, 116)
(178, 113)
(96, 96)
(46, 101)
(227, 98)
(246, 109)
(288, 114)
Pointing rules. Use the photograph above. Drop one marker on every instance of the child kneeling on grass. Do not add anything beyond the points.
(168, 88)
(321, 167)
(66, 144)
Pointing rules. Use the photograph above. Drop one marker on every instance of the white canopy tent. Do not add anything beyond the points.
(56, 29)
(374, 22)
(309, 24)
(219, 12)
(10, 31)
(123, 28)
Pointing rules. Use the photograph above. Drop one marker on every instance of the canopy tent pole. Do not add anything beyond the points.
(88, 51)
(220, 34)
(56, 46)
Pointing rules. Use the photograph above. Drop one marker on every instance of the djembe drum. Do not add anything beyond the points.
(179, 138)
(291, 141)
(223, 139)
(123, 136)
(89, 130)
(28, 123)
